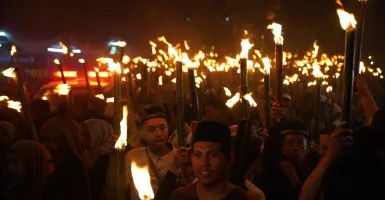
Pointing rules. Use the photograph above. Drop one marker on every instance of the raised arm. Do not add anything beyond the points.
(340, 139)
(368, 103)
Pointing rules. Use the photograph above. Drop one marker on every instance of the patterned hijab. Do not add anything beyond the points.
(102, 139)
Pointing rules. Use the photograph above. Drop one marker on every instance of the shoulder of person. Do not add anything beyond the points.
(136, 154)
(254, 191)
(186, 192)
(239, 193)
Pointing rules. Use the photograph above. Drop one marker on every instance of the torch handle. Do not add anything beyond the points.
(100, 90)
(358, 38)
(267, 100)
(194, 95)
(348, 77)
(317, 111)
(117, 106)
(180, 103)
(279, 74)
(25, 105)
(86, 78)
(60, 66)
(244, 88)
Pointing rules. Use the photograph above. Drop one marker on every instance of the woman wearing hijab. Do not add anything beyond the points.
(70, 180)
(7, 136)
(98, 142)
(28, 166)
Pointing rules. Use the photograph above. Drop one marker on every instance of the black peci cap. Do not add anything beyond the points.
(209, 131)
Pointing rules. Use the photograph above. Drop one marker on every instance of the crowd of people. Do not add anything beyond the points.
(75, 156)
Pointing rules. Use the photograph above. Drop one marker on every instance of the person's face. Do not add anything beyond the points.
(58, 147)
(211, 114)
(85, 138)
(286, 102)
(295, 147)
(156, 132)
(209, 164)
(15, 166)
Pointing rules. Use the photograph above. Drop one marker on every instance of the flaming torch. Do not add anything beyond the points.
(317, 111)
(120, 146)
(142, 181)
(96, 69)
(246, 46)
(278, 39)
(348, 23)
(180, 102)
(82, 61)
(60, 66)
(16, 76)
(266, 72)
(359, 35)
(194, 94)
(242, 139)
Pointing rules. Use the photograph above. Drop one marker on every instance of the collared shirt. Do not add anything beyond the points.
(163, 164)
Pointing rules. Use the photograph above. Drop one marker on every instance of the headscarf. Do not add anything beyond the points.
(100, 133)
(102, 139)
(36, 159)
(63, 127)
(9, 129)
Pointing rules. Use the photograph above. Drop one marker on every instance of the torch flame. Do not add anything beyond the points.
(227, 91)
(316, 70)
(315, 51)
(362, 68)
(121, 143)
(99, 96)
(64, 48)
(153, 47)
(56, 61)
(14, 105)
(13, 50)
(186, 45)
(62, 89)
(9, 72)
(142, 181)
(2, 98)
(125, 59)
(250, 99)
(160, 80)
(347, 20)
(110, 100)
(267, 65)
(231, 102)
(104, 60)
(246, 46)
(277, 32)
(114, 67)
(329, 89)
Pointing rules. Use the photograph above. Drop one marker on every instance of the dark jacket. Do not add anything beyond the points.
(69, 181)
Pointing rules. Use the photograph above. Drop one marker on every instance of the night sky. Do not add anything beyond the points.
(202, 22)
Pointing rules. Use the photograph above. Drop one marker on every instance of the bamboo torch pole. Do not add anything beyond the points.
(278, 39)
(348, 23)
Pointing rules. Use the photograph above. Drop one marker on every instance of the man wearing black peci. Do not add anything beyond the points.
(211, 161)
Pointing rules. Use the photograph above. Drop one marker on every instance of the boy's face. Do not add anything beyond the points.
(156, 132)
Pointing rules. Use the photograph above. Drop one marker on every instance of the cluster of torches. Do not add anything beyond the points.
(320, 66)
